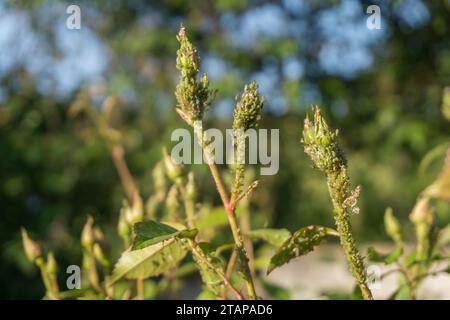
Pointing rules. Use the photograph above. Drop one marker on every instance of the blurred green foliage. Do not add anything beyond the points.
(54, 171)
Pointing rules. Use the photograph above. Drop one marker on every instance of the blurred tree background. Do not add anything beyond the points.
(382, 88)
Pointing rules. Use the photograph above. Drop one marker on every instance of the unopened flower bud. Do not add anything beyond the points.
(422, 213)
(248, 109)
(172, 205)
(392, 225)
(320, 143)
(191, 190)
(193, 95)
(98, 234)
(87, 235)
(174, 170)
(123, 228)
(32, 249)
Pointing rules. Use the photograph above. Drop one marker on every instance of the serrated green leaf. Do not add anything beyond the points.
(151, 232)
(275, 237)
(148, 233)
(150, 261)
(300, 243)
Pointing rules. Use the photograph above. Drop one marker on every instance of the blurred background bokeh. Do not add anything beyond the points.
(381, 88)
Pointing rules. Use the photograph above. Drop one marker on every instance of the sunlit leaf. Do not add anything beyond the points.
(151, 232)
(150, 261)
(148, 233)
(300, 243)
(275, 237)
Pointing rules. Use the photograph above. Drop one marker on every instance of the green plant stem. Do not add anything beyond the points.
(199, 254)
(51, 291)
(219, 185)
(109, 290)
(190, 211)
(118, 156)
(422, 219)
(419, 277)
(419, 268)
(342, 219)
(230, 268)
(92, 271)
(127, 293)
(411, 279)
(246, 228)
(229, 208)
(231, 264)
(231, 215)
